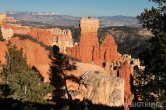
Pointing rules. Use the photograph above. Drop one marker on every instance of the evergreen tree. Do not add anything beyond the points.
(24, 84)
(16, 63)
(1, 37)
(28, 87)
(152, 81)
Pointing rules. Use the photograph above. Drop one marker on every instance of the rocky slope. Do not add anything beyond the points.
(50, 37)
(103, 76)
(130, 40)
(37, 56)
(88, 50)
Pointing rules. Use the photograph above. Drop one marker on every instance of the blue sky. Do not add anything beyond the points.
(79, 7)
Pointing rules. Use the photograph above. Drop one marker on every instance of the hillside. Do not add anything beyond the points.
(53, 19)
(130, 40)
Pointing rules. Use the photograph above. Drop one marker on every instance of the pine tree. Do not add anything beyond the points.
(28, 87)
(1, 37)
(24, 83)
(152, 81)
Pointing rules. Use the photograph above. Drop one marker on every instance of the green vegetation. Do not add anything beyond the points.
(1, 37)
(21, 83)
(152, 81)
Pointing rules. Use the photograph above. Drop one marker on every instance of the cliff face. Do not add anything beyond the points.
(106, 54)
(88, 50)
(124, 73)
(108, 50)
(88, 39)
(3, 49)
(42, 35)
(61, 38)
(36, 55)
(95, 84)
(2, 18)
(50, 37)
(100, 88)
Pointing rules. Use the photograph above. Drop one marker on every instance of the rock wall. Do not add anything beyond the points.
(98, 87)
(61, 38)
(106, 54)
(50, 37)
(37, 56)
(88, 39)
(7, 33)
(2, 18)
(124, 73)
(109, 50)
(42, 35)
(88, 50)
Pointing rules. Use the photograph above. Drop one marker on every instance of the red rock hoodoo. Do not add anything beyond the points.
(124, 73)
(2, 18)
(88, 50)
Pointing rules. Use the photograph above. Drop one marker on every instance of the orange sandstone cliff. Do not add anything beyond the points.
(89, 50)
(105, 54)
(36, 55)
(50, 37)
(2, 18)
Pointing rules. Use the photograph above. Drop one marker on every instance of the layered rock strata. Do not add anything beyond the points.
(88, 49)
(50, 37)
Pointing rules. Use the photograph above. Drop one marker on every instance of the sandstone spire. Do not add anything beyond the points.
(2, 18)
(89, 50)
(88, 38)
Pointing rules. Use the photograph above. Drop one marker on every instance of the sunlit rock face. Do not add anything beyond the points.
(61, 38)
(100, 88)
(2, 18)
(89, 50)
(88, 38)
(37, 56)
(124, 73)
(55, 36)
(106, 54)
(109, 50)
(7, 33)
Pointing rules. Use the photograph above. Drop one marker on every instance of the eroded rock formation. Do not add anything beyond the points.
(108, 50)
(37, 56)
(42, 35)
(2, 18)
(88, 39)
(61, 38)
(125, 73)
(100, 88)
(7, 33)
(88, 50)
(50, 37)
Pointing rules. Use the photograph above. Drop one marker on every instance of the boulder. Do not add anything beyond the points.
(98, 87)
